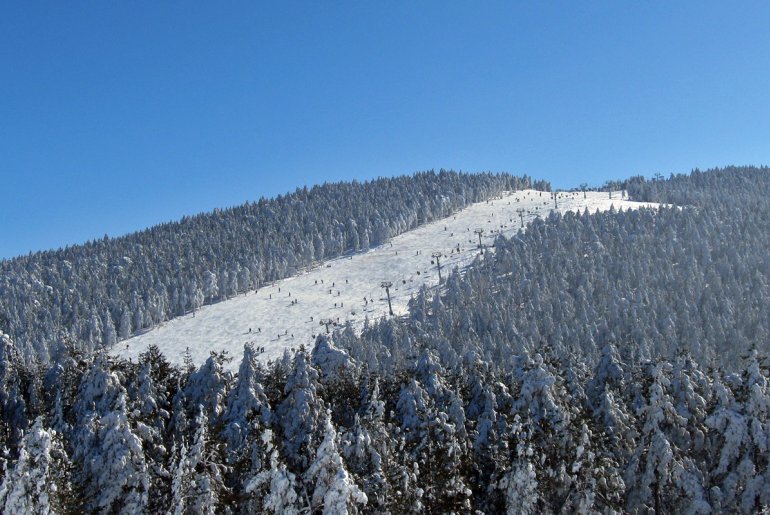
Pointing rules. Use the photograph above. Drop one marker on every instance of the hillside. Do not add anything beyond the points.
(107, 290)
(602, 360)
(287, 313)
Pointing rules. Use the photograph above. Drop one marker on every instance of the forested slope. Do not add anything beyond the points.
(742, 187)
(106, 290)
(611, 362)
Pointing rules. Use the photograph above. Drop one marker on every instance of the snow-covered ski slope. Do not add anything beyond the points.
(289, 312)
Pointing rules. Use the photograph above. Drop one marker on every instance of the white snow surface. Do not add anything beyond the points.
(336, 289)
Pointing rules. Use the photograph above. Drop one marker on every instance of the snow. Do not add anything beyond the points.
(288, 313)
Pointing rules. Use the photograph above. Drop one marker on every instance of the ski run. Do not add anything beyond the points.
(349, 289)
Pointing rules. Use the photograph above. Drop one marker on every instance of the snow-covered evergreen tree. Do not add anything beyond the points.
(520, 484)
(300, 413)
(112, 470)
(739, 440)
(660, 475)
(368, 448)
(207, 387)
(273, 489)
(206, 488)
(39, 481)
(246, 408)
(246, 414)
(13, 406)
(333, 489)
(181, 477)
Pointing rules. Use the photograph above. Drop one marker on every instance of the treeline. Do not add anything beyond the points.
(320, 432)
(106, 290)
(717, 186)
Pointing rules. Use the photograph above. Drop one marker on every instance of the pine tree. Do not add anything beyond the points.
(367, 448)
(273, 489)
(300, 413)
(520, 484)
(606, 392)
(181, 477)
(39, 481)
(151, 419)
(113, 472)
(661, 476)
(13, 405)
(333, 488)
(442, 456)
(594, 476)
(244, 418)
(207, 387)
(206, 491)
(739, 440)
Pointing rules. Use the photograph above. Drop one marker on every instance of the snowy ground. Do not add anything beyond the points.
(288, 313)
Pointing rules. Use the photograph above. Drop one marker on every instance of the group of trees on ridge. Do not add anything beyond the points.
(605, 362)
(106, 290)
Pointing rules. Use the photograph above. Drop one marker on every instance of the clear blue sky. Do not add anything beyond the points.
(115, 116)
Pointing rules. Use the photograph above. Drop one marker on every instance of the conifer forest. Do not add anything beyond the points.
(595, 362)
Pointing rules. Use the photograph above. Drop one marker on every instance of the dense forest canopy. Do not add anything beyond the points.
(608, 362)
(107, 290)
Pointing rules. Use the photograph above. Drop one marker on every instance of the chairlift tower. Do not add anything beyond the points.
(387, 285)
(555, 203)
(437, 257)
(327, 322)
(480, 231)
(520, 211)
